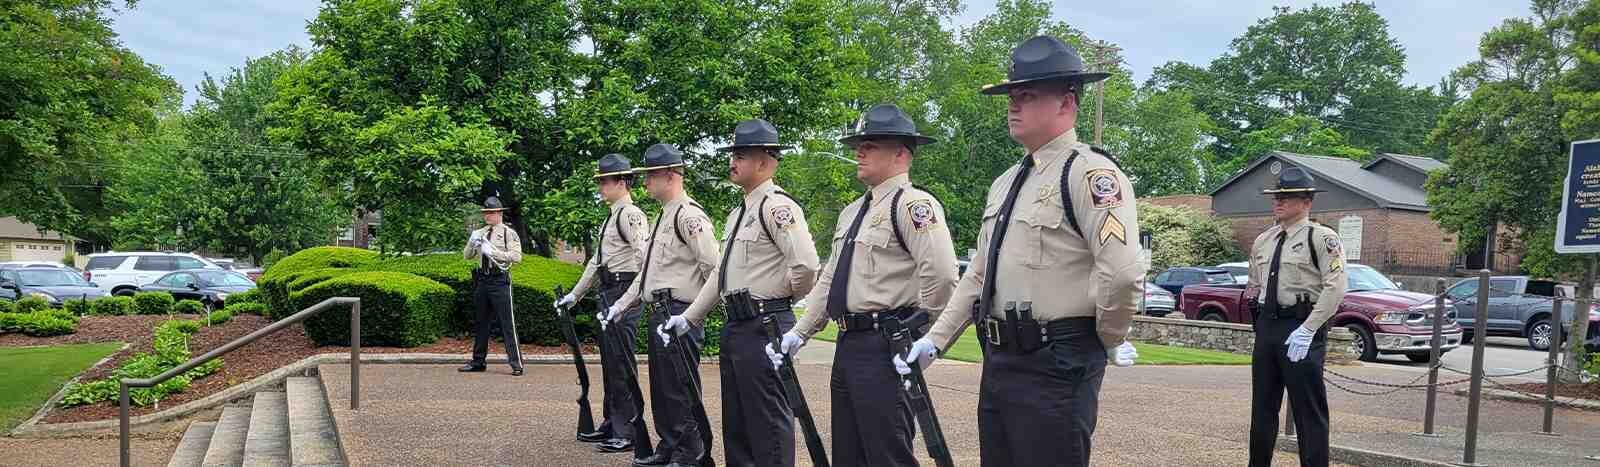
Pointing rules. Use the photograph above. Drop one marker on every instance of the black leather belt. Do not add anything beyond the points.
(868, 321)
(762, 308)
(1009, 336)
(611, 279)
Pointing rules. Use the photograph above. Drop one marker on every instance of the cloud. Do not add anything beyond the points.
(190, 38)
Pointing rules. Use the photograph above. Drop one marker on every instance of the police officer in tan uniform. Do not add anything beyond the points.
(767, 261)
(616, 261)
(680, 256)
(496, 247)
(892, 256)
(1299, 267)
(1058, 273)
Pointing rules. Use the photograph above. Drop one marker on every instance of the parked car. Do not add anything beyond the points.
(53, 283)
(1175, 279)
(1240, 271)
(121, 273)
(1384, 318)
(1519, 306)
(253, 273)
(1157, 301)
(210, 287)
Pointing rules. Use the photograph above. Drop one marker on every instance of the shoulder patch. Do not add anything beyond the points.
(1334, 248)
(693, 225)
(1111, 228)
(783, 216)
(923, 215)
(1104, 188)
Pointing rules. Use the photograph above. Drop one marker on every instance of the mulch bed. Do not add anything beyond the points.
(1584, 391)
(239, 366)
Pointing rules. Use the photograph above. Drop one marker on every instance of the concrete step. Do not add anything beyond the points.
(313, 440)
(192, 448)
(227, 441)
(267, 442)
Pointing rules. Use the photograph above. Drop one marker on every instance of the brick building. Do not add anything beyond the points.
(1379, 208)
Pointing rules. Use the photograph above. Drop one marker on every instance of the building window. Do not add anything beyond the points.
(58, 247)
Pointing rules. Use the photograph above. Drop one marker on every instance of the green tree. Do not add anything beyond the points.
(230, 190)
(1165, 151)
(70, 96)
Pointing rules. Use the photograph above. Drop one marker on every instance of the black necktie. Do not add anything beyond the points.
(649, 253)
(1272, 274)
(600, 252)
(483, 259)
(839, 289)
(991, 270)
(733, 231)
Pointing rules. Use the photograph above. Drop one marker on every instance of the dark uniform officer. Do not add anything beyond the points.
(768, 254)
(1299, 268)
(1061, 278)
(680, 257)
(496, 247)
(617, 257)
(892, 256)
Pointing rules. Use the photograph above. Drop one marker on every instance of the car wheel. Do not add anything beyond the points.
(1420, 357)
(124, 292)
(1363, 343)
(1539, 334)
(1212, 316)
(1466, 338)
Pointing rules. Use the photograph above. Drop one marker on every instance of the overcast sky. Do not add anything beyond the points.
(190, 37)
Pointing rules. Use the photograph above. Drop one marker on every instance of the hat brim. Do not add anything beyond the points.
(648, 169)
(855, 138)
(1286, 191)
(780, 147)
(614, 174)
(1083, 78)
(491, 209)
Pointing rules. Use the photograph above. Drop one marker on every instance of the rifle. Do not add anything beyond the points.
(688, 361)
(915, 388)
(642, 446)
(796, 398)
(585, 416)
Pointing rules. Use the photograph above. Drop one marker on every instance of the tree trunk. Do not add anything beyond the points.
(1574, 354)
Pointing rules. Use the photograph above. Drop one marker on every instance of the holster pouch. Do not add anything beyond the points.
(1029, 336)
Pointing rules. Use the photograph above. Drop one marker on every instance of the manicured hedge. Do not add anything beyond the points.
(532, 282)
(32, 303)
(275, 282)
(189, 307)
(153, 303)
(79, 307)
(248, 296)
(397, 309)
(112, 306)
(236, 309)
(41, 323)
(8, 306)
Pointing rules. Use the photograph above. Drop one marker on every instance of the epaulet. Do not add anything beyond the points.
(1107, 154)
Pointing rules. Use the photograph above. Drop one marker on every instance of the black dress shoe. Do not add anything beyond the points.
(656, 459)
(516, 372)
(675, 464)
(471, 368)
(594, 437)
(615, 445)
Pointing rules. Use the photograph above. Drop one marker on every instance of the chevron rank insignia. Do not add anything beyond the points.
(1111, 228)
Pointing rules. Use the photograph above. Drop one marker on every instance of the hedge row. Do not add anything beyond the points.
(397, 309)
(40, 323)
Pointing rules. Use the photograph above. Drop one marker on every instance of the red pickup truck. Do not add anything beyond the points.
(1384, 319)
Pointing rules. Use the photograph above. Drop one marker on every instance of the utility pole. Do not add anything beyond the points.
(1102, 59)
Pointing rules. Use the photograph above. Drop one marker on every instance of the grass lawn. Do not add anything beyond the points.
(29, 376)
(966, 350)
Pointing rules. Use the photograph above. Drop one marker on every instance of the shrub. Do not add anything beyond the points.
(532, 280)
(272, 258)
(111, 306)
(220, 316)
(8, 306)
(397, 309)
(189, 307)
(1184, 236)
(275, 281)
(236, 309)
(78, 307)
(248, 296)
(32, 303)
(153, 303)
(174, 327)
(39, 323)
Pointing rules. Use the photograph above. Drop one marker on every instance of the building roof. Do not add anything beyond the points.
(1350, 175)
(11, 227)
(1425, 165)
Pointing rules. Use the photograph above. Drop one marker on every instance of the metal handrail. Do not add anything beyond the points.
(355, 360)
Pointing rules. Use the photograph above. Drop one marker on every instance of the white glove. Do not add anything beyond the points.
(601, 317)
(477, 237)
(1125, 355)
(922, 350)
(615, 313)
(1299, 343)
(563, 302)
(676, 324)
(483, 247)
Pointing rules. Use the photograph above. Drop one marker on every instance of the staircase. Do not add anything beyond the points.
(290, 428)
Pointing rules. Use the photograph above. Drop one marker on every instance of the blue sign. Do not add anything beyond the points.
(1578, 227)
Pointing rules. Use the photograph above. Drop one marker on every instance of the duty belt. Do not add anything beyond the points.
(1020, 333)
(611, 279)
(741, 307)
(1299, 311)
(869, 321)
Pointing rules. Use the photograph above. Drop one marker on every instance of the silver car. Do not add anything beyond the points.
(1157, 301)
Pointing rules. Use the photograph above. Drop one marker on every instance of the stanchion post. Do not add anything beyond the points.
(1550, 371)
(1433, 360)
(1479, 331)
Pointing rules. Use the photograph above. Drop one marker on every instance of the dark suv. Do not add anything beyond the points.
(1176, 278)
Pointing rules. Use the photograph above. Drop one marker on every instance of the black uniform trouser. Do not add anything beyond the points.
(492, 297)
(672, 401)
(1271, 374)
(1039, 408)
(872, 425)
(757, 424)
(618, 406)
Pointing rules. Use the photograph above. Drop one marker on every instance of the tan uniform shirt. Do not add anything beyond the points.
(884, 274)
(505, 247)
(1297, 273)
(620, 254)
(1043, 260)
(783, 265)
(683, 254)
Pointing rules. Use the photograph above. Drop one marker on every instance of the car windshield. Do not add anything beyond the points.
(224, 279)
(49, 278)
(1236, 270)
(1219, 277)
(1361, 278)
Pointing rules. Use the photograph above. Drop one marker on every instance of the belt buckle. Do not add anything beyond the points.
(994, 331)
(844, 323)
